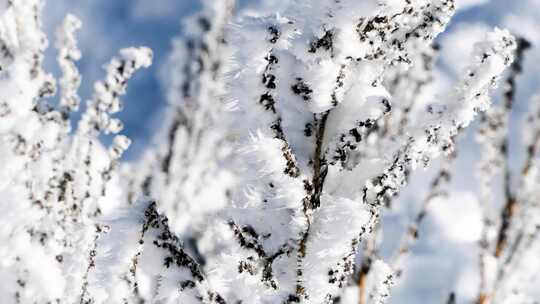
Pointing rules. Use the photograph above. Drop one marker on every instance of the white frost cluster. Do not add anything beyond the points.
(54, 185)
(285, 136)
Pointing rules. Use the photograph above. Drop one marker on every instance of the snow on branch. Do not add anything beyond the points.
(285, 137)
(295, 114)
(68, 53)
(150, 253)
(190, 172)
(54, 183)
(106, 100)
(443, 121)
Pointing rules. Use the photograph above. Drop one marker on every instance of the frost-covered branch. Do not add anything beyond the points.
(494, 136)
(190, 173)
(438, 188)
(295, 117)
(285, 137)
(152, 253)
(509, 95)
(513, 279)
(53, 182)
(66, 44)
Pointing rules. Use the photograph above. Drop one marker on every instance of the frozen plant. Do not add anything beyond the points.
(285, 137)
(510, 236)
(55, 183)
(309, 88)
(188, 172)
(188, 175)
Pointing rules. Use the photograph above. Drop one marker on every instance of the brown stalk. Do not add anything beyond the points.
(364, 271)
(511, 202)
(510, 206)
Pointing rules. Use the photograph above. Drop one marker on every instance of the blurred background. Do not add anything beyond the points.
(447, 252)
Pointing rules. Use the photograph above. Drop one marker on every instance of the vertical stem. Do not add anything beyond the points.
(510, 201)
(313, 196)
(364, 271)
(451, 298)
(319, 163)
(510, 205)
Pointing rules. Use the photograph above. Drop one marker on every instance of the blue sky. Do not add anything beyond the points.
(111, 25)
